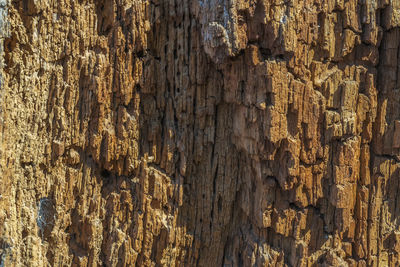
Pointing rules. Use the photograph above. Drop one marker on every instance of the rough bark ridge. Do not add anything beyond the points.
(200, 133)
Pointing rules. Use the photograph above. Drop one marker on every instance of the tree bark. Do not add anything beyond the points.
(199, 133)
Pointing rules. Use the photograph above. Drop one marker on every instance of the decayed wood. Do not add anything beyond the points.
(199, 133)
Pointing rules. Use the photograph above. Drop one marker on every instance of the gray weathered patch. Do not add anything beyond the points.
(218, 21)
(45, 216)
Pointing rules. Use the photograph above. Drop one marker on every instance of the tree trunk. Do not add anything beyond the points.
(199, 133)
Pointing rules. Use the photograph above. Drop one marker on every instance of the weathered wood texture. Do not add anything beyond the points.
(200, 133)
